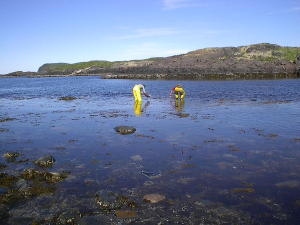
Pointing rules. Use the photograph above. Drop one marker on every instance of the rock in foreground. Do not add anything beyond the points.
(125, 129)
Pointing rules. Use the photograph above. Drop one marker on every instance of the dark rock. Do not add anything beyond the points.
(6, 119)
(2, 166)
(3, 211)
(67, 98)
(125, 129)
(298, 66)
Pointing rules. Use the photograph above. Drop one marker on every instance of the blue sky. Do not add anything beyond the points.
(34, 32)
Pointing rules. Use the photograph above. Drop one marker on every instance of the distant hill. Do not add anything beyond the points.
(245, 62)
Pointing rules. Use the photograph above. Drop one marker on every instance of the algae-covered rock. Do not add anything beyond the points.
(7, 180)
(45, 161)
(55, 177)
(123, 214)
(68, 217)
(43, 176)
(11, 156)
(108, 201)
(125, 129)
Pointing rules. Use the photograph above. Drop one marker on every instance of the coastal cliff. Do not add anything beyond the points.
(258, 61)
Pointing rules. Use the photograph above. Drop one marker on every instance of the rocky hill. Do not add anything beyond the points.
(245, 62)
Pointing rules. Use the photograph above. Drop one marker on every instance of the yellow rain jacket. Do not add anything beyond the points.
(179, 92)
(137, 91)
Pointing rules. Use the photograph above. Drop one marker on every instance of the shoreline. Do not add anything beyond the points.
(195, 77)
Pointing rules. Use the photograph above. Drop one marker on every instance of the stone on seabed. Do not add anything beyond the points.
(154, 198)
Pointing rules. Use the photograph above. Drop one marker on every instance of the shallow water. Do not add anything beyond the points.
(229, 153)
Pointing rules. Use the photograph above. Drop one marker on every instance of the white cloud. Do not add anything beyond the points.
(175, 4)
(148, 32)
(148, 50)
(295, 9)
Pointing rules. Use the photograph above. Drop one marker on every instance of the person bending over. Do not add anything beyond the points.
(137, 91)
(178, 92)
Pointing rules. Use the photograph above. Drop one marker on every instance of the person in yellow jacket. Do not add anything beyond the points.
(137, 91)
(178, 92)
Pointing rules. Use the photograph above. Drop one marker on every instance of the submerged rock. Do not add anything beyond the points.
(3, 211)
(151, 174)
(125, 129)
(123, 214)
(2, 166)
(54, 177)
(246, 190)
(183, 115)
(108, 201)
(45, 161)
(21, 185)
(67, 98)
(7, 180)
(154, 198)
(288, 184)
(6, 119)
(136, 158)
(11, 156)
(50, 177)
(68, 217)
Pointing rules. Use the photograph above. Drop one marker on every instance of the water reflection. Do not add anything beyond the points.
(139, 107)
(179, 105)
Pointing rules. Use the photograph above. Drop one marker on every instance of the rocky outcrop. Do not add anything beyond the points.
(298, 66)
(20, 74)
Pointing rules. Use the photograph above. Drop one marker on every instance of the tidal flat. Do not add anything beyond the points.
(228, 154)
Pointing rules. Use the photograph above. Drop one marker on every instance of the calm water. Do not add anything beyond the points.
(231, 150)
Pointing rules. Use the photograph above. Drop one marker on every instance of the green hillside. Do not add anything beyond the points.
(65, 68)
